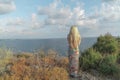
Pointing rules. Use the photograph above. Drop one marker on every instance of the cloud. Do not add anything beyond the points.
(107, 17)
(34, 17)
(63, 16)
(15, 22)
(32, 23)
(7, 6)
(35, 23)
(108, 12)
(59, 14)
(109, 0)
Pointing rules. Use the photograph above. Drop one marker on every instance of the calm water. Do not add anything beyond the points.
(31, 45)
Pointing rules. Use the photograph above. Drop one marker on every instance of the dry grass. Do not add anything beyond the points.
(36, 67)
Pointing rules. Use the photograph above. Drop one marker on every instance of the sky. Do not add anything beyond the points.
(41, 19)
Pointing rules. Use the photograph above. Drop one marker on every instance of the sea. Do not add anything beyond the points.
(31, 45)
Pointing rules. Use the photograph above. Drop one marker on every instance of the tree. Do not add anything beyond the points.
(106, 44)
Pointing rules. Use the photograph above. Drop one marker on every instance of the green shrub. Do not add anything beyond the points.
(106, 44)
(108, 65)
(103, 56)
(90, 59)
(118, 58)
(118, 39)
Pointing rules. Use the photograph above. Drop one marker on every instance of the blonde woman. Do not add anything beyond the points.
(73, 52)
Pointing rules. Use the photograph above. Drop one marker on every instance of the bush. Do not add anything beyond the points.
(37, 67)
(118, 39)
(108, 65)
(106, 44)
(90, 59)
(105, 64)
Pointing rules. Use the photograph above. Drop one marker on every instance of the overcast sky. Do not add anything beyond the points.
(32, 19)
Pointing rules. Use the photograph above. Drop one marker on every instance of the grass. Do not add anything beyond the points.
(37, 66)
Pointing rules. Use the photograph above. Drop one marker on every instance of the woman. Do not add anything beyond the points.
(73, 52)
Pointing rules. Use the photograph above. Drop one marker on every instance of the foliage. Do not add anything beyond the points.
(118, 58)
(106, 44)
(5, 56)
(108, 65)
(37, 67)
(90, 59)
(25, 55)
(96, 57)
(118, 39)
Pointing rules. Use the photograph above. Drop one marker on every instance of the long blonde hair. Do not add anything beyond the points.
(74, 37)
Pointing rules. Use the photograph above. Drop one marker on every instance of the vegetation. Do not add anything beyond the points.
(90, 59)
(5, 56)
(103, 56)
(109, 65)
(37, 66)
(106, 44)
